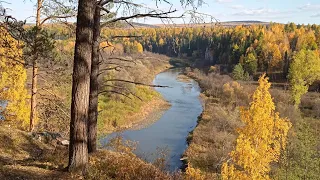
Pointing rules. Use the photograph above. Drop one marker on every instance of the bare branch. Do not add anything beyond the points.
(128, 36)
(104, 9)
(116, 92)
(117, 68)
(136, 83)
(122, 59)
(152, 14)
(55, 17)
(123, 88)
(104, 2)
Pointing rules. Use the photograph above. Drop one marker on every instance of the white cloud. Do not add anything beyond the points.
(256, 12)
(265, 14)
(224, 1)
(310, 7)
(237, 6)
(315, 15)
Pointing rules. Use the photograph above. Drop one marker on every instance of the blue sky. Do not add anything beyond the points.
(283, 11)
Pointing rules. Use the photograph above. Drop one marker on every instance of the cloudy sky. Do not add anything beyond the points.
(283, 11)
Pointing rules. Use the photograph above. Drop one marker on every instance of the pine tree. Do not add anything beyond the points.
(261, 139)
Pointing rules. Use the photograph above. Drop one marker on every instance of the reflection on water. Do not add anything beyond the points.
(171, 130)
(3, 105)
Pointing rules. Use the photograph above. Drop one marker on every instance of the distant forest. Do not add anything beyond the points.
(258, 48)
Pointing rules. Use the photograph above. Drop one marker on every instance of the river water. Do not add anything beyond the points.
(171, 130)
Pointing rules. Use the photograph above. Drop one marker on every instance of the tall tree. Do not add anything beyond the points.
(52, 9)
(261, 139)
(94, 90)
(78, 149)
(304, 70)
(33, 110)
(106, 5)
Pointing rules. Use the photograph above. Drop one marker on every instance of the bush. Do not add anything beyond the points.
(239, 73)
(113, 165)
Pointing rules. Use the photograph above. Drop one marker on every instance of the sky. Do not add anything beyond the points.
(282, 11)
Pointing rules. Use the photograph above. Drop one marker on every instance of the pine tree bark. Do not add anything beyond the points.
(33, 110)
(93, 100)
(78, 149)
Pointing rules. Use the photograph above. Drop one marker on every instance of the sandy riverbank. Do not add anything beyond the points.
(149, 113)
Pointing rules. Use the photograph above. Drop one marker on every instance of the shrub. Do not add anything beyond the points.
(239, 73)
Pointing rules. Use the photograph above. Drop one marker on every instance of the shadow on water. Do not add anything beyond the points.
(169, 133)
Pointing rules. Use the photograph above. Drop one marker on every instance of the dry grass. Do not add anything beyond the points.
(215, 135)
(22, 157)
(112, 165)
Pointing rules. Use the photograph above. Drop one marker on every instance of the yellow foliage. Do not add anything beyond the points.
(304, 70)
(139, 47)
(193, 174)
(261, 139)
(232, 90)
(213, 69)
(13, 77)
(161, 42)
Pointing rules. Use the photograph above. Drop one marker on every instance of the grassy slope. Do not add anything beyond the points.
(22, 157)
(119, 112)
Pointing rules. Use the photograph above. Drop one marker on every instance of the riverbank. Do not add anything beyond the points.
(215, 135)
(166, 138)
(148, 113)
(133, 103)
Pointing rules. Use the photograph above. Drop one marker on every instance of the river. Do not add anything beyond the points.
(171, 130)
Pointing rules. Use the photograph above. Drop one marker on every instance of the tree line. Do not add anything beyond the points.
(247, 51)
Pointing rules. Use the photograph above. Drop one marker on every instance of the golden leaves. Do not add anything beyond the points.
(260, 140)
(12, 79)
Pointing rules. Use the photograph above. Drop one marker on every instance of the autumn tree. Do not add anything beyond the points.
(250, 63)
(260, 140)
(13, 77)
(304, 70)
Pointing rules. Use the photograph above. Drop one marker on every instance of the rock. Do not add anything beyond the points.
(64, 142)
(183, 158)
(50, 138)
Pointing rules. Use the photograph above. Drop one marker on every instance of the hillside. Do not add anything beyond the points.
(22, 156)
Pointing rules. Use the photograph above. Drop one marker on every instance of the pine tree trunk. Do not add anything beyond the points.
(78, 149)
(33, 110)
(93, 100)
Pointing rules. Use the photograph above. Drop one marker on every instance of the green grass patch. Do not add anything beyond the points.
(114, 112)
